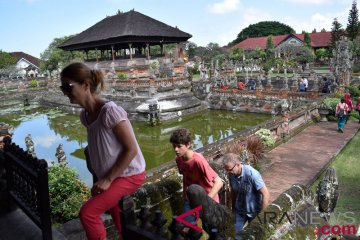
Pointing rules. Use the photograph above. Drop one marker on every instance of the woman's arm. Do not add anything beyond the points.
(129, 150)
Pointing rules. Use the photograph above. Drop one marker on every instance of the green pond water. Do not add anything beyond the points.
(50, 127)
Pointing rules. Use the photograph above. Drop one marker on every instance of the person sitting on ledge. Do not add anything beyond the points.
(252, 84)
(240, 85)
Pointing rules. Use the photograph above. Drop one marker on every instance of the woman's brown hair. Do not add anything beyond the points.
(81, 73)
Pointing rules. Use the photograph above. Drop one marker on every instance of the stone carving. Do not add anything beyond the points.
(6, 130)
(60, 154)
(342, 61)
(215, 214)
(328, 192)
(283, 107)
(30, 145)
(154, 112)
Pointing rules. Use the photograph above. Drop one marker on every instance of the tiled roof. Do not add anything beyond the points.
(319, 39)
(31, 59)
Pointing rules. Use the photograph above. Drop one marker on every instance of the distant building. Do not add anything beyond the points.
(27, 65)
(318, 40)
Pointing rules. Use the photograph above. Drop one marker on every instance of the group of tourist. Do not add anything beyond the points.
(248, 190)
(251, 84)
(119, 166)
(343, 110)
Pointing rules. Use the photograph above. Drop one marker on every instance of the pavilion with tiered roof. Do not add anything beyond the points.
(125, 35)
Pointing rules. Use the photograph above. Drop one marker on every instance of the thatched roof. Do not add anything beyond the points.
(123, 28)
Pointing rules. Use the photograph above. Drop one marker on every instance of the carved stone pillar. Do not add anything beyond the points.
(148, 51)
(112, 52)
(259, 84)
(268, 86)
(130, 49)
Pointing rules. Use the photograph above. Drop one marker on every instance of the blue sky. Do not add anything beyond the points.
(31, 25)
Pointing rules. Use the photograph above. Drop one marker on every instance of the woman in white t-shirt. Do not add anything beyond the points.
(114, 154)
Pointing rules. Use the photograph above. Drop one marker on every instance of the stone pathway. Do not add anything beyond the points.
(302, 158)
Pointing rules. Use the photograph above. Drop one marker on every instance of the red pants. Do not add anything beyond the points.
(91, 210)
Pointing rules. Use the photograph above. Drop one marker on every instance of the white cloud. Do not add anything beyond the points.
(319, 21)
(249, 16)
(311, 1)
(46, 141)
(253, 15)
(225, 6)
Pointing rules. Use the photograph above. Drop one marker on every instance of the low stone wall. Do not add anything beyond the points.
(292, 215)
(165, 195)
(256, 101)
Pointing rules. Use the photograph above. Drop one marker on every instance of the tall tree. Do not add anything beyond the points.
(336, 32)
(236, 53)
(269, 46)
(262, 29)
(54, 57)
(6, 60)
(191, 48)
(307, 39)
(209, 52)
(352, 28)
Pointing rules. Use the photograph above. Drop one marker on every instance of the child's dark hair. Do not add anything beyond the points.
(181, 136)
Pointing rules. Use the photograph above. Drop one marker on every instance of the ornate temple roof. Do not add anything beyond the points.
(124, 28)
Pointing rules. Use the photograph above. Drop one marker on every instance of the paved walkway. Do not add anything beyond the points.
(302, 158)
(297, 161)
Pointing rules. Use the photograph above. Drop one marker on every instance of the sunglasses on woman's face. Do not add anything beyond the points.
(66, 88)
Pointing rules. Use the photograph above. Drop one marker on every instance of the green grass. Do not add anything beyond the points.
(347, 166)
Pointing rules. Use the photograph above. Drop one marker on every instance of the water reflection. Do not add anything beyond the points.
(49, 128)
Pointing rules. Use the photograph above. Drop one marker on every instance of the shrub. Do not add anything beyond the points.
(338, 94)
(235, 147)
(354, 91)
(122, 76)
(34, 83)
(155, 65)
(67, 193)
(256, 147)
(266, 136)
(331, 103)
(356, 69)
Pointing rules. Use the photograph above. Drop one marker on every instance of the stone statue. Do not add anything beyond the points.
(60, 154)
(30, 145)
(6, 130)
(328, 192)
(216, 215)
(342, 61)
(283, 107)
